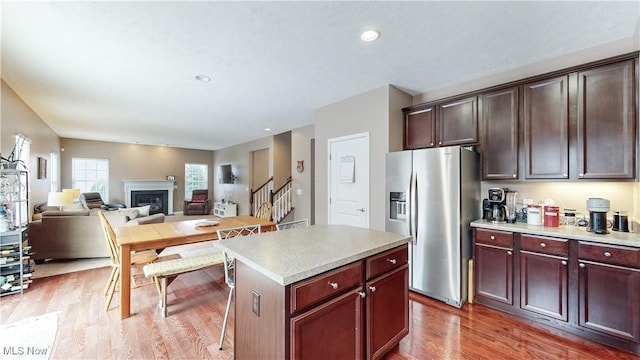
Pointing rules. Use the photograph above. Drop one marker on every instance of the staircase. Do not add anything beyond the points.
(280, 199)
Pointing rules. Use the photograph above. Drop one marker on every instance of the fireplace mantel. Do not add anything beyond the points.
(143, 185)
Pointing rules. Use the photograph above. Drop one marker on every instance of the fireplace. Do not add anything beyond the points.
(157, 199)
(150, 190)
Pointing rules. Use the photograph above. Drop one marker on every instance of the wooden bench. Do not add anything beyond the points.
(162, 270)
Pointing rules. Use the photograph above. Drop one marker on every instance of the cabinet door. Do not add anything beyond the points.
(606, 122)
(494, 273)
(546, 129)
(458, 122)
(609, 298)
(333, 330)
(500, 134)
(543, 284)
(387, 311)
(419, 128)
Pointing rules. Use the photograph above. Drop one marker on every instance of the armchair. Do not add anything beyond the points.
(200, 204)
(93, 200)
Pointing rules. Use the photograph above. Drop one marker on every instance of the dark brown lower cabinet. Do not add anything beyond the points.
(357, 311)
(587, 288)
(544, 284)
(333, 330)
(493, 262)
(387, 315)
(609, 289)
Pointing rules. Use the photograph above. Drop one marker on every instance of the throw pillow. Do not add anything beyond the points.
(143, 210)
(74, 207)
(129, 213)
(199, 198)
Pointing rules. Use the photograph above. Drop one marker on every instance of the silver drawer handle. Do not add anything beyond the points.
(509, 252)
(362, 294)
(393, 261)
(581, 265)
(333, 285)
(607, 254)
(563, 262)
(493, 237)
(543, 245)
(372, 288)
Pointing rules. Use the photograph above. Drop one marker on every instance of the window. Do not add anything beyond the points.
(195, 177)
(55, 171)
(91, 175)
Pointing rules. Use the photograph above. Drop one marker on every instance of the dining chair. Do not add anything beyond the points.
(137, 258)
(230, 265)
(264, 211)
(302, 223)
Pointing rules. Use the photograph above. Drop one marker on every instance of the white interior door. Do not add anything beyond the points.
(349, 180)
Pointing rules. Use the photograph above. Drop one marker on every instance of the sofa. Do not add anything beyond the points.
(75, 234)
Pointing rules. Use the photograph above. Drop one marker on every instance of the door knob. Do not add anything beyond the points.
(361, 209)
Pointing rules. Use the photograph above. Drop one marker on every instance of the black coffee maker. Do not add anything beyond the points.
(494, 207)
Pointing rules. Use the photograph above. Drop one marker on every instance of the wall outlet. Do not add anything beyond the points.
(299, 191)
(255, 302)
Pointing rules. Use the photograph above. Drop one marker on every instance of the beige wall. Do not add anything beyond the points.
(302, 182)
(281, 159)
(557, 63)
(239, 157)
(17, 117)
(135, 162)
(370, 112)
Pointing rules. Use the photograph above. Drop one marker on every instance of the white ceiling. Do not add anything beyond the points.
(125, 71)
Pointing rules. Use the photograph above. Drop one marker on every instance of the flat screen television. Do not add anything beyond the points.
(225, 175)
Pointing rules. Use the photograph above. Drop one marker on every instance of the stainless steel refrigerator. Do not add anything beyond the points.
(433, 195)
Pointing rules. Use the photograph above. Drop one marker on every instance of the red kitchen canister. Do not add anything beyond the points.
(551, 216)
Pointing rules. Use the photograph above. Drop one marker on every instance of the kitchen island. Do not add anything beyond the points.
(327, 291)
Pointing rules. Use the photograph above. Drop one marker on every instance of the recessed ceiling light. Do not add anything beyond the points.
(369, 35)
(267, 129)
(203, 78)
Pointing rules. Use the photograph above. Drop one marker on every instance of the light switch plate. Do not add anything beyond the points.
(255, 302)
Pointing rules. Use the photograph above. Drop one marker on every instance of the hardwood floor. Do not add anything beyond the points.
(196, 309)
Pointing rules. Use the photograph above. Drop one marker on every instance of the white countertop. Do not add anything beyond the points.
(292, 255)
(578, 233)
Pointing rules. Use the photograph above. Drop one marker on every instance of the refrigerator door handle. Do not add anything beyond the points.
(413, 208)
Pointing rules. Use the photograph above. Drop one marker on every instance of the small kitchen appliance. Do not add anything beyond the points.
(510, 205)
(620, 221)
(598, 208)
(496, 210)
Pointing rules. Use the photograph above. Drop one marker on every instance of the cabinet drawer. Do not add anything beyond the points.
(325, 285)
(495, 238)
(545, 244)
(611, 254)
(387, 261)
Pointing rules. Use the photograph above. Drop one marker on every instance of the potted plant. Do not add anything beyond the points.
(13, 159)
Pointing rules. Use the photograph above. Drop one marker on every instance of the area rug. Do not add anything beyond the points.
(31, 338)
(65, 266)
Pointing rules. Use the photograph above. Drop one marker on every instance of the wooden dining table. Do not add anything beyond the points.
(166, 234)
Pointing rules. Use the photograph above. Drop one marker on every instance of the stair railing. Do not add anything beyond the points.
(260, 195)
(282, 201)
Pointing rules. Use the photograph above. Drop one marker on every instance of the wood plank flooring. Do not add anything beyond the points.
(196, 309)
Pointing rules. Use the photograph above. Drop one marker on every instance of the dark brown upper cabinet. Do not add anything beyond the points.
(419, 128)
(458, 122)
(546, 129)
(606, 122)
(499, 116)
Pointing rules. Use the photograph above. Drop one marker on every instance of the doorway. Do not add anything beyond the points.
(349, 180)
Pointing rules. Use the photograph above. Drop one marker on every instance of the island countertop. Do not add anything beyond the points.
(292, 255)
